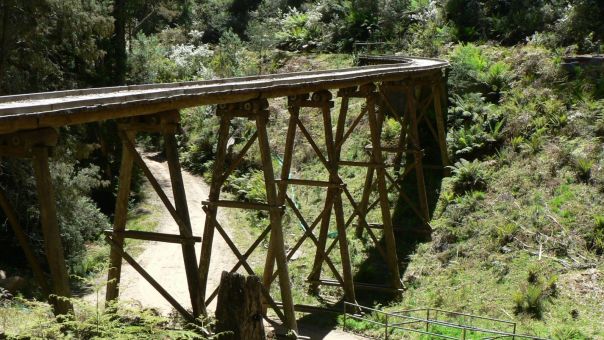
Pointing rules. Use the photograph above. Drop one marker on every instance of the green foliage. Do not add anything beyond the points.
(506, 21)
(51, 44)
(231, 59)
(468, 176)
(476, 127)
(299, 29)
(580, 25)
(153, 61)
(473, 71)
(248, 186)
(26, 319)
(595, 238)
(199, 140)
(79, 218)
(530, 299)
(506, 233)
(564, 333)
(583, 167)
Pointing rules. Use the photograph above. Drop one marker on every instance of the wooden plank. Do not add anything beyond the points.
(352, 126)
(440, 125)
(373, 165)
(152, 236)
(308, 233)
(246, 266)
(334, 157)
(242, 205)
(309, 183)
(362, 286)
(129, 144)
(419, 169)
(239, 157)
(51, 231)
(320, 253)
(16, 115)
(367, 189)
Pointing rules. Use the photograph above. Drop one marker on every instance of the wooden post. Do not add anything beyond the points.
(417, 153)
(288, 152)
(180, 203)
(214, 196)
(276, 226)
(315, 274)
(119, 221)
(377, 158)
(438, 93)
(239, 308)
(334, 158)
(51, 231)
(367, 188)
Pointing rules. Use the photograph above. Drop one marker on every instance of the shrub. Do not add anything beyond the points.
(299, 29)
(148, 63)
(473, 71)
(476, 127)
(595, 239)
(565, 333)
(506, 233)
(34, 320)
(583, 166)
(531, 297)
(468, 176)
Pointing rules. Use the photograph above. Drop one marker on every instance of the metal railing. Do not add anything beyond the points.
(433, 321)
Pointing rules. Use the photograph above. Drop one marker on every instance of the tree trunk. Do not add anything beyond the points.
(239, 307)
(119, 43)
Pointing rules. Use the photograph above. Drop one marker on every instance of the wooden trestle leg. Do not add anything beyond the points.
(392, 257)
(37, 145)
(51, 231)
(166, 124)
(333, 199)
(214, 196)
(119, 221)
(288, 152)
(253, 110)
(417, 152)
(180, 203)
(275, 215)
(438, 92)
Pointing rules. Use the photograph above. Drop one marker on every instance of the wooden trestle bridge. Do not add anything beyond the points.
(402, 88)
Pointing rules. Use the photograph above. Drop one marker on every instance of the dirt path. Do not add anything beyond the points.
(163, 260)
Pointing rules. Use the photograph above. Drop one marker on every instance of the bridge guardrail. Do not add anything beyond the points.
(431, 322)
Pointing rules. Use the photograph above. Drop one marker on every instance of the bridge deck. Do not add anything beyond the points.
(53, 109)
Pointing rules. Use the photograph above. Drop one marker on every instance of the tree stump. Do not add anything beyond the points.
(239, 307)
